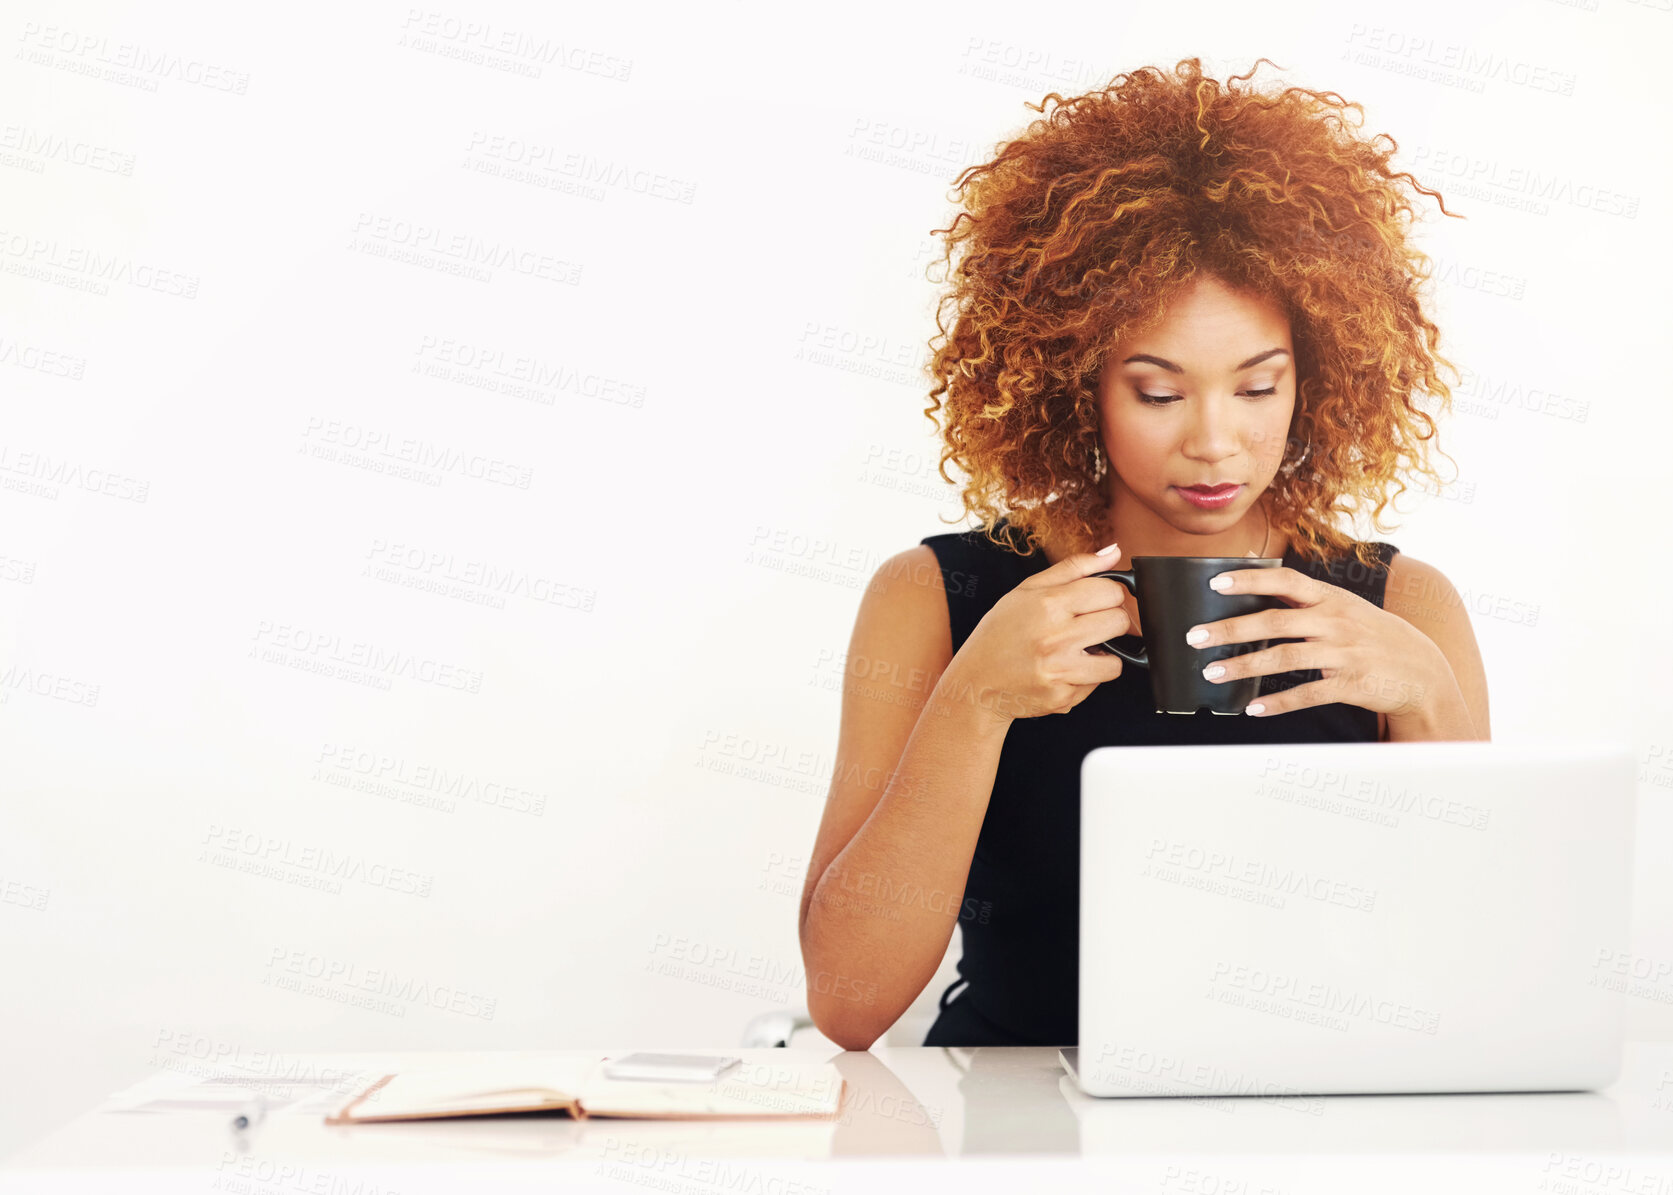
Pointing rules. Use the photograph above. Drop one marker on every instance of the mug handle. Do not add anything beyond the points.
(1126, 578)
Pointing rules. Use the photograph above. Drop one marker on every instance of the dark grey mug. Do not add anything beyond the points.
(1174, 596)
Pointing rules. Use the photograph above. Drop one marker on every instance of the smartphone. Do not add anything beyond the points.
(675, 1068)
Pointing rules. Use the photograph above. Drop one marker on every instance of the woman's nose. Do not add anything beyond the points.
(1214, 432)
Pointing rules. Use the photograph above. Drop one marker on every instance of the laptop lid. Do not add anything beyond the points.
(1352, 917)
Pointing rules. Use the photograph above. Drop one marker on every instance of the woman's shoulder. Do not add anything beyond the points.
(1418, 591)
(975, 570)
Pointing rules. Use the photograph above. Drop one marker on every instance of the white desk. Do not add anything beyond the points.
(983, 1119)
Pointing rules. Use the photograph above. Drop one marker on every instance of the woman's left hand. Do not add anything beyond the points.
(1366, 656)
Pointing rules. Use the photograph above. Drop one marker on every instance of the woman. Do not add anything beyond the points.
(1166, 285)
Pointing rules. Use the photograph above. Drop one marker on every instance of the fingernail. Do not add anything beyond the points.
(1256, 709)
(1220, 583)
(1195, 636)
(1109, 550)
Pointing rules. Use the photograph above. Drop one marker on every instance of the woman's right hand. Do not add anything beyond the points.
(1036, 651)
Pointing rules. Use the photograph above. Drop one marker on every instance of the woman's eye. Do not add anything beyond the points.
(1162, 400)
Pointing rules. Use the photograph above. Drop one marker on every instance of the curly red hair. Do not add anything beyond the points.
(1080, 230)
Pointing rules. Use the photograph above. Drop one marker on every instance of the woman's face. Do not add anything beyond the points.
(1219, 373)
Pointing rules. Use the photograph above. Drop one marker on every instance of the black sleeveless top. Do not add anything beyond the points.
(1021, 910)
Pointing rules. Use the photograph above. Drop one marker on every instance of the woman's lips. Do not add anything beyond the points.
(1210, 497)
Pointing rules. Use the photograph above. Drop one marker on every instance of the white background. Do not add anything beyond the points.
(724, 219)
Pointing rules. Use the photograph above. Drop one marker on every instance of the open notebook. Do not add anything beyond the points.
(580, 1089)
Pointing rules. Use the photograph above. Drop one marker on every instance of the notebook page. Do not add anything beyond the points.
(473, 1086)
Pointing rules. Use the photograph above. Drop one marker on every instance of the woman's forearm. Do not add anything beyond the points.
(880, 916)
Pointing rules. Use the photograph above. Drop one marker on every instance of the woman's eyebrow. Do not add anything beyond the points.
(1172, 368)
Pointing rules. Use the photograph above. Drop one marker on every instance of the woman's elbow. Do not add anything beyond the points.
(842, 1022)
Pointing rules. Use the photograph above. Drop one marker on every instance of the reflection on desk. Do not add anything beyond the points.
(920, 1104)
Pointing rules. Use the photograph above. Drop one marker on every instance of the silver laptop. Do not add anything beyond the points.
(1329, 918)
